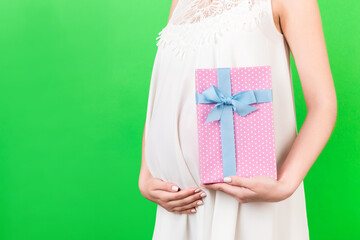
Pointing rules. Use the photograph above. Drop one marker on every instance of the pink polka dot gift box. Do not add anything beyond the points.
(235, 122)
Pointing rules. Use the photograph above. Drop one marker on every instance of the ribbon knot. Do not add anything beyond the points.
(228, 100)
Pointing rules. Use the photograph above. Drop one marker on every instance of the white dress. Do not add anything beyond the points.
(211, 34)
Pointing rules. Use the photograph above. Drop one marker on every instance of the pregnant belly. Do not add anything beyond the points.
(172, 145)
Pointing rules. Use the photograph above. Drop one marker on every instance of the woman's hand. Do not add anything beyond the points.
(170, 197)
(256, 189)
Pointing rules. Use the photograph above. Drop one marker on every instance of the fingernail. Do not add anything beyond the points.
(203, 195)
(175, 188)
(227, 179)
(193, 210)
(199, 202)
(197, 190)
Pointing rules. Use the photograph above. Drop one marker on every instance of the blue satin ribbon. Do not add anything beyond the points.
(222, 111)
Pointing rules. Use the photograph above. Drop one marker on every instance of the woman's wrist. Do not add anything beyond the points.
(289, 184)
(144, 178)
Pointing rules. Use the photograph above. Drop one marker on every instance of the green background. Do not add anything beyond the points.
(74, 80)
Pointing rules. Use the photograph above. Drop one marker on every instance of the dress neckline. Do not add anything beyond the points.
(193, 11)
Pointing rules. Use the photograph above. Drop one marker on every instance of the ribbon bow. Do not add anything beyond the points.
(240, 101)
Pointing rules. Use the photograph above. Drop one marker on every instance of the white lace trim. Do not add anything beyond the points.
(191, 11)
(207, 29)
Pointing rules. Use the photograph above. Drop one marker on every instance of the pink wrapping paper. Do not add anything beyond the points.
(254, 133)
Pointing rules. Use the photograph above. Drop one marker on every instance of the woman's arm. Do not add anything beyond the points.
(301, 25)
(302, 28)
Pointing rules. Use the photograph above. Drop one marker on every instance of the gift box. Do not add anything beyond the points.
(235, 122)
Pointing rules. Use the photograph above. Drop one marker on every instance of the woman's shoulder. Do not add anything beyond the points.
(172, 8)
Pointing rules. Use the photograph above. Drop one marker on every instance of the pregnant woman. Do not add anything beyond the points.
(235, 33)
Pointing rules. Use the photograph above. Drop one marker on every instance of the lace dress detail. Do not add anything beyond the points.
(197, 22)
(199, 9)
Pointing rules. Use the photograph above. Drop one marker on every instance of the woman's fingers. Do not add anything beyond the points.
(189, 199)
(187, 211)
(173, 196)
(186, 203)
(193, 204)
(174, 199)
(181, 201)
(241, 194)
(182, 194)
(159, 184)
(240, 181)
